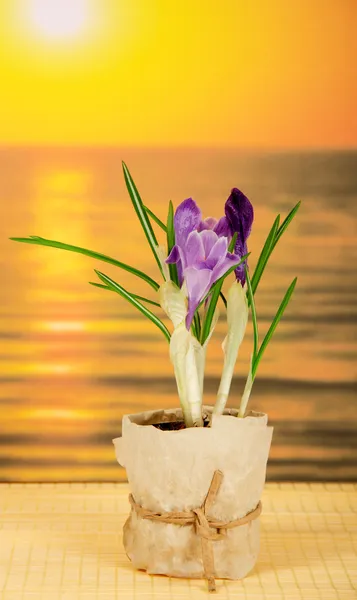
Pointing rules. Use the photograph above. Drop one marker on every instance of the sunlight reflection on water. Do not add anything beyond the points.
(75, 358)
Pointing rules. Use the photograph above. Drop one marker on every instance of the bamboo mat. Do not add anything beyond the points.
(63, 542)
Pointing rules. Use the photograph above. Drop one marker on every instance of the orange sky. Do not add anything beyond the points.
(269, 73)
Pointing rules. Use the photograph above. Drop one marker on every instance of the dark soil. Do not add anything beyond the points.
(173, 426)
(176, 425)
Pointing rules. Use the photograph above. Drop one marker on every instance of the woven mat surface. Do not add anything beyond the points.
(64, 542)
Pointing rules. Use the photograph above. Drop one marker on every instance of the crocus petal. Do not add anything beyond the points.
(174, 256)
(198, 283)
(208, 223)
(218, 253)
(241, 250)
(222, 228)
(193, 250)
(240, 214)
(221, 268)
(240, 271)
(177, 257)
(187, 218)
(209, 238)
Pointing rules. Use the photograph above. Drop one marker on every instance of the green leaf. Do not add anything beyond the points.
(233, 242)
(146, 300)
(130, 298)
(100, 285)
(286, 222)
(274, 236)
(197, 322)
(254, 315)
(273, 326)
(171, 241)
(194, 329)
(223, 298)
(39, 241)
(215, 292)
(265, 254)
(156, 219)
(142, 214)
(142, 298)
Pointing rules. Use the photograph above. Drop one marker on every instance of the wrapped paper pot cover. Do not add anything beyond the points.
(172, 471)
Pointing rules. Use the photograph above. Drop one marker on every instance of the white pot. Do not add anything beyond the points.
(173, 470)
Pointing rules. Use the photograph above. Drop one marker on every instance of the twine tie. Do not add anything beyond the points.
(207, 528)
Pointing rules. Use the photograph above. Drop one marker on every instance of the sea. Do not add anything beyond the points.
(75, 358)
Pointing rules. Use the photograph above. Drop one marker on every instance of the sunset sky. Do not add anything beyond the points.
(271, 73)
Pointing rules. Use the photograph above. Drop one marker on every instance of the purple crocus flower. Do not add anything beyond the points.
(239, 218)
(201, 249)
(239, 214)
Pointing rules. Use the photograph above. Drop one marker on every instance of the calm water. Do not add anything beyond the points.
(74, 359)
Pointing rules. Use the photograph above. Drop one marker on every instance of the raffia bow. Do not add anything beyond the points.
(207, 528)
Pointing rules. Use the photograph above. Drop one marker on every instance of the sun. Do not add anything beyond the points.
(59, 19)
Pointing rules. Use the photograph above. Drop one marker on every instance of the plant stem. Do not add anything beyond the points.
(254, 315)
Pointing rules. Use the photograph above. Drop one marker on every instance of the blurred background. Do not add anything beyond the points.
(196, 97)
